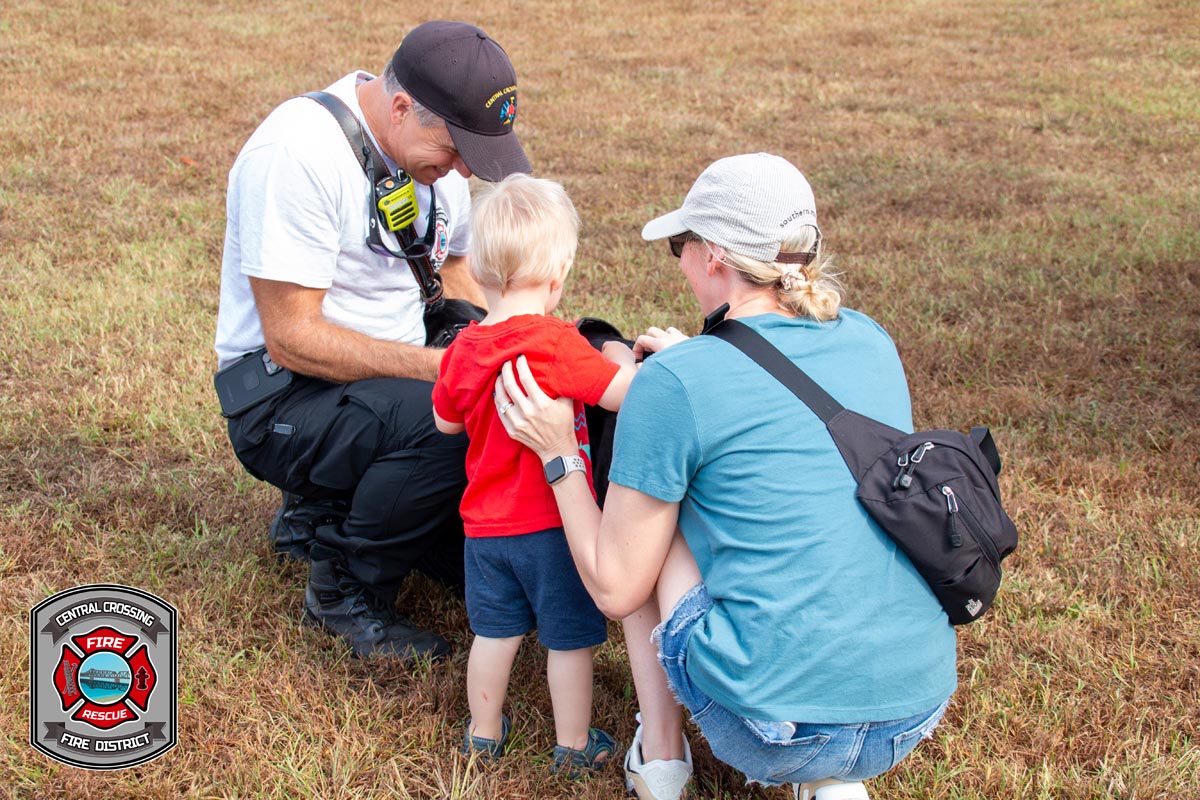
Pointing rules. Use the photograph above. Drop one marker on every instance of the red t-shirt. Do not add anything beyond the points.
(506, 489)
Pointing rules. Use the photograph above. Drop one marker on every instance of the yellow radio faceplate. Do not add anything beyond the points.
(398, 202)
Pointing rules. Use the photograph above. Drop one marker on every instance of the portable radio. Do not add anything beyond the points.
(396, 199)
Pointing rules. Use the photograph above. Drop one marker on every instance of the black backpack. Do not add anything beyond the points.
(934, 492)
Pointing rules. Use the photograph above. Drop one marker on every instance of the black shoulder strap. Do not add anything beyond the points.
(372, 163)
(782, 368)
(360, 143)
(982, 437)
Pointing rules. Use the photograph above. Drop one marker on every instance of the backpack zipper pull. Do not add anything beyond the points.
(952, 507)
(908, 464)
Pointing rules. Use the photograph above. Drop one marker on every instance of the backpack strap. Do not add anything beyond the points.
(982, 437)
(782, 368)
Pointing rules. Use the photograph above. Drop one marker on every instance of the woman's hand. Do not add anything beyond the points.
(656, 339)
(621, 564)
(545, 426)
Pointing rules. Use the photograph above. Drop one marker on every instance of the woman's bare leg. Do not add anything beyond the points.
(662, 716)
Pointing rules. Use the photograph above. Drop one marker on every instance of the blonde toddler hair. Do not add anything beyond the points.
(524, 231)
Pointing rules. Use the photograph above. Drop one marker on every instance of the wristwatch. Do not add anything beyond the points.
(557, 469)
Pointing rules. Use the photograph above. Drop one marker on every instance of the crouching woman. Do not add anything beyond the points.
(803, 644)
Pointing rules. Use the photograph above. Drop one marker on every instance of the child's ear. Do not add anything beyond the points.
(557, 283)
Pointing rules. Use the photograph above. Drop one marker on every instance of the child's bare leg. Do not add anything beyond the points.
(569, 674)
(488, 669)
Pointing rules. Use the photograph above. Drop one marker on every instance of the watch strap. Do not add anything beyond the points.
(557, 469)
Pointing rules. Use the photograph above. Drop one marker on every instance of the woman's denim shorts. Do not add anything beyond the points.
(773, 753)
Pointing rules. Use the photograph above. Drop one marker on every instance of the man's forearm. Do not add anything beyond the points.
(328, 351)
(300, 338)
(458, 282)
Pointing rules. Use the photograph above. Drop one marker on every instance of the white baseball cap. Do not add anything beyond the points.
(748, 204)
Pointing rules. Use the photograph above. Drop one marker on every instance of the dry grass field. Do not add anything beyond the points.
(1011, 188)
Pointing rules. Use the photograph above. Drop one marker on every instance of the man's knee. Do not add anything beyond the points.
(404, 408)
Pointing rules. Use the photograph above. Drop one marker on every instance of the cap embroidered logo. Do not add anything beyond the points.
(508, 111)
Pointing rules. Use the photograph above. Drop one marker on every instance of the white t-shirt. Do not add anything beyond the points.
(297, 211)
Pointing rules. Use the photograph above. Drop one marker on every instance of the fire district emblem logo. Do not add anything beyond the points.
(102, 677)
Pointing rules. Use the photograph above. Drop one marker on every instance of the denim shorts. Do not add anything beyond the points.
(518, 583)
(774, 753)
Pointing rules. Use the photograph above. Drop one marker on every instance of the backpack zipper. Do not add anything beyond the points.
(972, 524)
(952, 507)
(908, 464)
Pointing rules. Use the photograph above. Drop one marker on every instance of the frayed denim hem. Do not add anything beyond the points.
(670, 639)
(813, 751)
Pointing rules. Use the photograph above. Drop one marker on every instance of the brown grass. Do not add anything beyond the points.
(1011, 189)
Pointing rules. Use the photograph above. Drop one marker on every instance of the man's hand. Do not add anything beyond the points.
(299, 337)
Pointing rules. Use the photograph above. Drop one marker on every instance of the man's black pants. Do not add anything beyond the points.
(371, 443)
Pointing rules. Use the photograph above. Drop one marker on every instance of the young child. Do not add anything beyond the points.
(519, 571)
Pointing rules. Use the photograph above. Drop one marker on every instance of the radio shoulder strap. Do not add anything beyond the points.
(373, 165)
(357, 138)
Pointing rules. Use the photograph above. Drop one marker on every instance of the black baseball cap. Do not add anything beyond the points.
(464, 76)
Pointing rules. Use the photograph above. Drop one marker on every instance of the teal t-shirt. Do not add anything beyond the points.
(817, 617)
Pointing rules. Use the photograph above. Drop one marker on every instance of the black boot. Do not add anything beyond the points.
(295, 523)
(338, 603)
